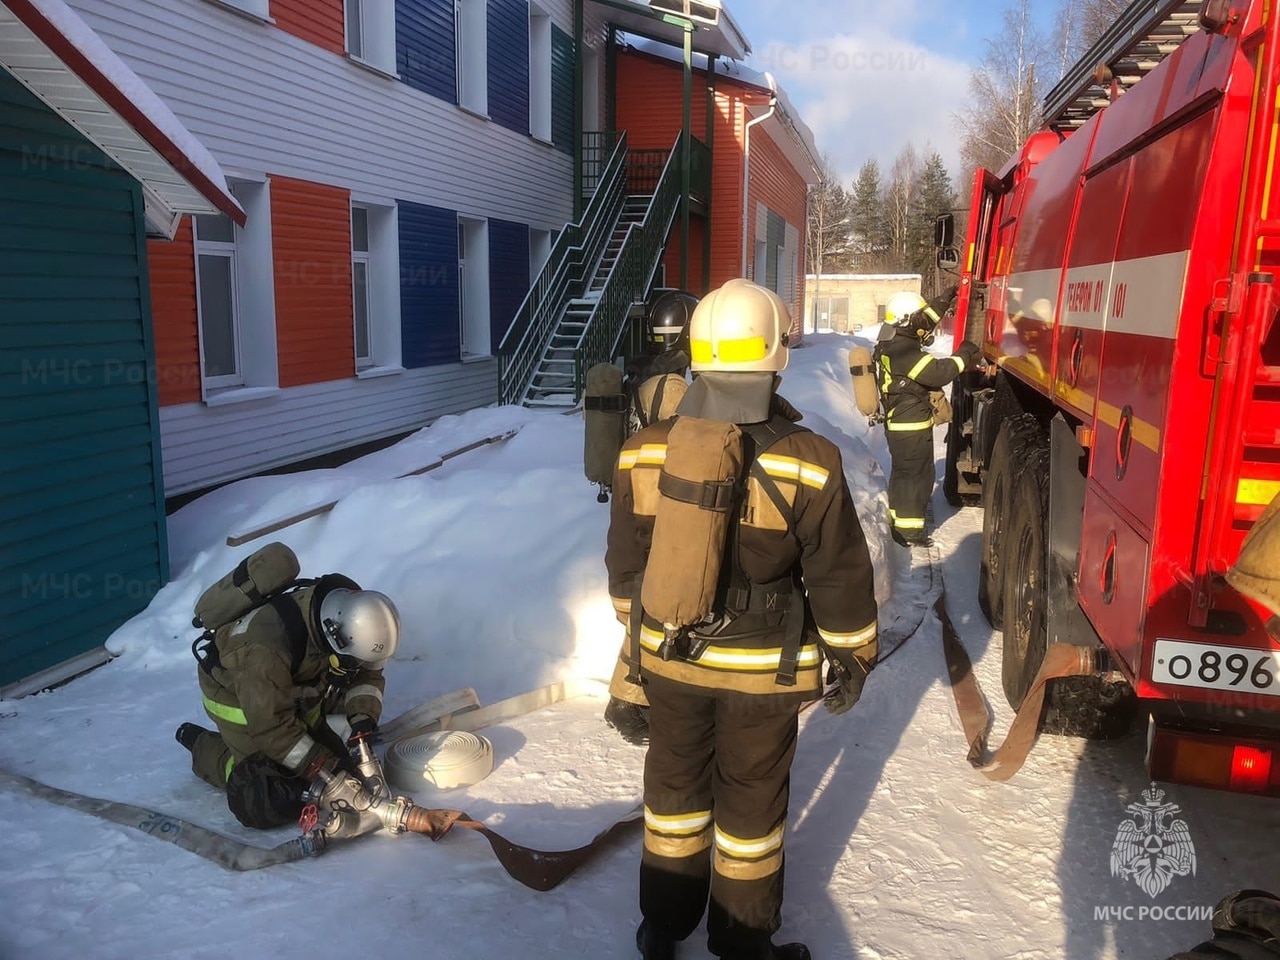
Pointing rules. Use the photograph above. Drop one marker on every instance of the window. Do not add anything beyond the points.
(371, 37)
(255, 8)
(216, 293)
(473, 288)
(471, 27)
(539, 74)
(540, 242)
(235, 297)
(375, 288)
(360, 285)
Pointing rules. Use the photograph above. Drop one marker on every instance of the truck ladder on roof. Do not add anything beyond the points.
(1142, 36)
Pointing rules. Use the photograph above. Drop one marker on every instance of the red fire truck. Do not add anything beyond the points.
(1120, 273)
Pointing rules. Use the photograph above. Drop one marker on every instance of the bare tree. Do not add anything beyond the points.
(1077, 26)
(829, 239)
(1004, 90)
(902, 193)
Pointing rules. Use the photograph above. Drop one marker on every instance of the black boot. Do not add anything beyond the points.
(761, 948)
(651, 946)
(188, 733)
(629, 719)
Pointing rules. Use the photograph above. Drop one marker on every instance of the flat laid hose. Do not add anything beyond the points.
(222, 850)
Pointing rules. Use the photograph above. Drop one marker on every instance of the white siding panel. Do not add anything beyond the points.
(265, 101)
(208, 445)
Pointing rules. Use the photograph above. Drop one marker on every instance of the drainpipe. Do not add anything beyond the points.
(746, 173)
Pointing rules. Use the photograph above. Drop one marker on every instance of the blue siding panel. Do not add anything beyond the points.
(429, 285)
(508, 274)
(562, 90)
(426, 57)
(82, 523)
(508, 40)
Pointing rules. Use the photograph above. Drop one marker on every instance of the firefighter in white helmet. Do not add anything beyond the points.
(795, 583)
(907, 374)
(270, 679)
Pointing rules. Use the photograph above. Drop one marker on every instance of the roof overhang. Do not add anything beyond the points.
(52, 52)
(725, 39)
(790, 134)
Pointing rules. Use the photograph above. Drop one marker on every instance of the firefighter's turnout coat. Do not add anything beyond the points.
(269, 685)
(812, 555)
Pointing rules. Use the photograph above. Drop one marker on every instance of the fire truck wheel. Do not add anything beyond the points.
(1026, 597)
(1090, 707)
(950, 470)
(1016, 437)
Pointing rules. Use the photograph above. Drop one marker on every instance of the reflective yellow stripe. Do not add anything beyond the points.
(907, 427)
(920, 365)
(1257, 493)
(751, 847)
(226, 772)
(908, 523)
(792, 468)
(729, 351)
(363, 690)
(220, 711)
(620, 605)
(859, 638)
(650, 453)
(737, 658)
(680, 824)
(959, 362)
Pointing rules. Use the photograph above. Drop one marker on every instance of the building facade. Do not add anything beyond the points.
(850, 302)
(404, 167)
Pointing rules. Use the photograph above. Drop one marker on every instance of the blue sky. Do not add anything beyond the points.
(868, 76)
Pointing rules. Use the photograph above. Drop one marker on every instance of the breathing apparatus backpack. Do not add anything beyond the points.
(266, 575)
(692, 564)
(604, 405)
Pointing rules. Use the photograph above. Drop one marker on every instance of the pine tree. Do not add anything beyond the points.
(934, 197)
(867, 218)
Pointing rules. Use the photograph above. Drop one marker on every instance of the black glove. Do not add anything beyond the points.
(848, 685)
(361, 727)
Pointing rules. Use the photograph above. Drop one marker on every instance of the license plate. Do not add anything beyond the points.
(1217, 667)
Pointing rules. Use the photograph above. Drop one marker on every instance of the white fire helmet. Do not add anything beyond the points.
(361, 626)
(901, 305)
(740, 327)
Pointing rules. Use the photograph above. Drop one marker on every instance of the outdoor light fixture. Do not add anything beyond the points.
(699, 11)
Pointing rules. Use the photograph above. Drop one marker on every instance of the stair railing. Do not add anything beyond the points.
(632, 274)
(563, 277)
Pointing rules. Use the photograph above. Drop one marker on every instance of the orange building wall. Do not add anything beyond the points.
(316, 21)
(311, 237)
(172, 267)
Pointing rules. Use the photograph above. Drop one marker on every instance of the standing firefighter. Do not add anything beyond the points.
(270, 678)
(655, 385)
(735, 553)
(908, 375)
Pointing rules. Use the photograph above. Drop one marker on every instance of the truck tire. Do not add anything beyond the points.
(1016, 436)
(950, 471)
(1025, 553)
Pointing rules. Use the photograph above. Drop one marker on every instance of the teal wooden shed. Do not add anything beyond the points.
(91, 163)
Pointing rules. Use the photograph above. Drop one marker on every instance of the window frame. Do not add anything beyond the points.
(540, 74)
(474, 316)
(471, 55)
(363, 259)
(224, 250)
(377, 40)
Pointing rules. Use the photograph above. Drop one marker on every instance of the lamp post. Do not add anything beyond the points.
(687, 14)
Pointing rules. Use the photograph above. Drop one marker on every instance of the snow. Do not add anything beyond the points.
(896, 848)
(81, 36)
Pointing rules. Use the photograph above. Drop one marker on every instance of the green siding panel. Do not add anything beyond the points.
(562, 93)
(82, 538)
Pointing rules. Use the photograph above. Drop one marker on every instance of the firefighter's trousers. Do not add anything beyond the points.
(911, 479)
(716, 782)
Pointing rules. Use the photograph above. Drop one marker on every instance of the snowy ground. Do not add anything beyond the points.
(896, 848)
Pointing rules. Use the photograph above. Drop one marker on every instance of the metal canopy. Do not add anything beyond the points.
(1133, 46)
(725, 39)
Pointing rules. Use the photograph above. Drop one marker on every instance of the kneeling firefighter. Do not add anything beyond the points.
(652, 389)
(908, 375)
(737, 556)
(277, 657)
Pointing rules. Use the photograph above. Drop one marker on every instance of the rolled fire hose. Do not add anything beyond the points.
(444, 760)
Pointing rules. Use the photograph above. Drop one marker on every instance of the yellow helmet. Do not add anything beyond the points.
(740, 327)
(902, 305)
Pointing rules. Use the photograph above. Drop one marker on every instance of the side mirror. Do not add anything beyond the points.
(949, 259)
(944, 230)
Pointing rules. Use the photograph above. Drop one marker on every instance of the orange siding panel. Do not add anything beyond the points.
(316, 21)
(311, 236)
(172, 267)
(776, 184)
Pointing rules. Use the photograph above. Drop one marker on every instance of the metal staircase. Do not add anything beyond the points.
(600, 269)
(1142, 36)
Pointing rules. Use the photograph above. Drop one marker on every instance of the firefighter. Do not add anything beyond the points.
(269, 681)
(655, 384)
(795, 584)
(908, 373)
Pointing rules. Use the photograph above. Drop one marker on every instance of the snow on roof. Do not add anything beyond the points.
(742, 73)
(54, 53)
